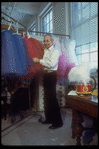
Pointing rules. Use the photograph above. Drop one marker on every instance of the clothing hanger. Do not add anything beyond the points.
(10, 26)
(28, 35)
(17, 27)
(7, 27)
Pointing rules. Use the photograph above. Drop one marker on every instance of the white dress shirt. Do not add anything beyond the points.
(50, 59)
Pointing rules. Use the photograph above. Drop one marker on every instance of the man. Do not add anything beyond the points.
(50, 61)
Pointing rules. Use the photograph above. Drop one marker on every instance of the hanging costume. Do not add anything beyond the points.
(23, 53)
(66, 62)
(15, 58)
(11, 63)
(17, 53)
(35, 49)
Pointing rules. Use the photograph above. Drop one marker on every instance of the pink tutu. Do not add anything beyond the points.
(67, 59)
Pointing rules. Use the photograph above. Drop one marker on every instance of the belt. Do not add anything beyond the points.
(49, 71)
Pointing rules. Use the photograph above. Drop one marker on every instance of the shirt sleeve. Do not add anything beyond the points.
(50, 61)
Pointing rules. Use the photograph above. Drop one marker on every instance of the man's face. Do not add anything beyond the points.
(47, 41)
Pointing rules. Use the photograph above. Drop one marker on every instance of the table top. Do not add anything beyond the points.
(87, 98)
(87, 104)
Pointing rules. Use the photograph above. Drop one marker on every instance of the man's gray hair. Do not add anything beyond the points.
(48, 34)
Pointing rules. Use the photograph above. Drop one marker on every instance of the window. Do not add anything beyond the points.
(47, 22)
(84, 29)
(33, 29)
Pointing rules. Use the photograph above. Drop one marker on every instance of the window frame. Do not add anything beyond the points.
(42, 20)
(33, 28)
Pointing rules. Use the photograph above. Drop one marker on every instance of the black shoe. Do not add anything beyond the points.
(55, 126)
(46, 122)
(40, 120)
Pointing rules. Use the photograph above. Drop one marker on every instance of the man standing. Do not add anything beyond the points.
(50, 62)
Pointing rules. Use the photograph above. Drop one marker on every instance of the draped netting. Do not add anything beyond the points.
(35, 49)
(68, 65)
(15, 59)
(67, 59)
(18, 52)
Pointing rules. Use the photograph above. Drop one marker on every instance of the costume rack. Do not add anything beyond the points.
(17, 86)
(37, 32)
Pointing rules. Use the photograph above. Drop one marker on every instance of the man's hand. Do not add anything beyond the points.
(35, 60)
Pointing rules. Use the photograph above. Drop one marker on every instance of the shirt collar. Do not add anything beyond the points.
(51, 47)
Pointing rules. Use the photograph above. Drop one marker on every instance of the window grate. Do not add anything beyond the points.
(84, 29)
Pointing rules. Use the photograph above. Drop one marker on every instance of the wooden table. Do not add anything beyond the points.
(81, 104)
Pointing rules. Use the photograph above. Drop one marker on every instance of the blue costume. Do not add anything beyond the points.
(15, 57)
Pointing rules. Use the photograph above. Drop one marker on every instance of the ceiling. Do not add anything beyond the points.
(23, 12)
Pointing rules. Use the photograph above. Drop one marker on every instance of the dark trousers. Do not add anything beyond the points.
(52, 110)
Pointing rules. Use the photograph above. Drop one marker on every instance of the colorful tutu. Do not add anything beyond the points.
(67, 59)
(11, 63)
(18, 51)
(15, 58)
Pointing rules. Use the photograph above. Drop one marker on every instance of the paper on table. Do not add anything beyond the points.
(72, 93)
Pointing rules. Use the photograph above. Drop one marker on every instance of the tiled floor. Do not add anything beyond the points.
(31, 132)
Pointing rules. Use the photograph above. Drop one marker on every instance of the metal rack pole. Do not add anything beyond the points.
(50, 33)
(12, 19)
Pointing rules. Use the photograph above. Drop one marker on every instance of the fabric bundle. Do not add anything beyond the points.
(17, 53)
(68, 65)
(12, 54)
(35, 49)
(67, 59)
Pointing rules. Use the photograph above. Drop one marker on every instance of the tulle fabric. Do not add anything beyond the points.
(67, 60)
(15, 58)
(35, 49)
(23, 54)
(11, 62)
(18, 52)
